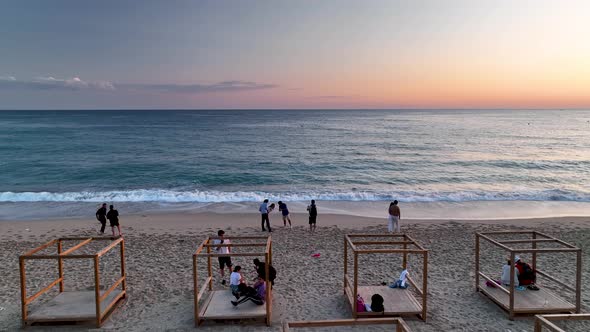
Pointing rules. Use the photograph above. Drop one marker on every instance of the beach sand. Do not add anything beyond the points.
(159, 247)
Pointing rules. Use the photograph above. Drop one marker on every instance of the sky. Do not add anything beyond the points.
(294, 54)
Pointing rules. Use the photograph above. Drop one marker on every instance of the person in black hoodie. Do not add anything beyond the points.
(101, 216)
(261, 271)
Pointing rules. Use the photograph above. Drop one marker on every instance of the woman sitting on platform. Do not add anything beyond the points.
(235, 280)
(526, 275)
(256, 294)
(505, 280)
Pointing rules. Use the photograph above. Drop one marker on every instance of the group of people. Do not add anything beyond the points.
(112, 215)
(265, 209)
(524, 275)
(237, 283)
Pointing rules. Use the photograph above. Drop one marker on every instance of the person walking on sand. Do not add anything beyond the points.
(223, 260)
(264, 215)
(394, 217)
(113, 217)
(101, 216)
(313, 215)
(285, 212)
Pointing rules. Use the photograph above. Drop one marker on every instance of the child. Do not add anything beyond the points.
(235, 279)
(402, 281)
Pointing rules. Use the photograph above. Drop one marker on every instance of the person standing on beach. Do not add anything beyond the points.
(113, 217)
(101, 216)
(223, 260)
(313, 214)
(264, 215)
(394, 217)
(285, 213)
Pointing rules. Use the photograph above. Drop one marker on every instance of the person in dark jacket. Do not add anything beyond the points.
(261, 271)
(113, 217)
(101, 216)
(313, 215)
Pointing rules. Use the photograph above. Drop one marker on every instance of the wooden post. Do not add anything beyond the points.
(23, 291)
(578, 280)
(268, 288)
(60, 264)
(405, 259)
(209, 266)
(538, 327)
(355, 290)
(123, 274)
(97, 291)
(476, 262)
(196, 290)
(345, 263)
(534, 246)
(424, 285)
(511, 302)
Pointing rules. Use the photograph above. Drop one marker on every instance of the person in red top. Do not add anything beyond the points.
(526, 275)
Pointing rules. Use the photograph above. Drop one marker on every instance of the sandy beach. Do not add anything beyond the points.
(159, 249)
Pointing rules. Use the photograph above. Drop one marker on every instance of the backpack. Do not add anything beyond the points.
(377, 303)
(313, 211)
(527, 271)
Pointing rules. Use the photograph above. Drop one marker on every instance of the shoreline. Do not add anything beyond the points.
(473, 210)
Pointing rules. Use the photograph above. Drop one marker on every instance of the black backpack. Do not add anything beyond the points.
(377, 303)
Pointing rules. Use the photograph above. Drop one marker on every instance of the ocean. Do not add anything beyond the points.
(198, 157)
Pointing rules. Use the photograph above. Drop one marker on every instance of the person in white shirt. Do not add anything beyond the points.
(235, 279)
(505, 279)
(402, 281)
(223, 260)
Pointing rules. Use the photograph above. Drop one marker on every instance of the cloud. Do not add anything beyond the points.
(75, 84)
(225, 86)
(334, 97)
(52, 83)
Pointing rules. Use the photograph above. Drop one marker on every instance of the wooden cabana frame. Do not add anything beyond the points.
(397, 302)
(546, 321)
(528, 302)
(73, 306)
(397, 322)
(210, 297)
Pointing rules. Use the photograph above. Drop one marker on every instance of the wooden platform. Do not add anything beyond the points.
(218, 306)
(70, 306)
(396, 301)
(529, 301)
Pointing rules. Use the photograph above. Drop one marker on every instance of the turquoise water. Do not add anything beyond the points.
(336, 155)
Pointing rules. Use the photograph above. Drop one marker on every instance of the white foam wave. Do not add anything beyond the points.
(172, 196)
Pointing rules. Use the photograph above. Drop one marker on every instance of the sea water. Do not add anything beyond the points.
(194, 157)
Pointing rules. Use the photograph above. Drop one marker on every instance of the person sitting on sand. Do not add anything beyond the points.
(256, 294)
(235, 279)
(285, 212)
(402, 281)
(261, 271)
(526, 275)
(505, 279)
(113, 217)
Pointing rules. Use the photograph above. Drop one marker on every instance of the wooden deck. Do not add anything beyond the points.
(395, 300)
(218, 306)
(529, 301)
(70, 306)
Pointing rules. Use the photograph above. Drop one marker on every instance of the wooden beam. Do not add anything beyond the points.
(109, 247)
(23, 290)
(476, 262)
(558, 240)
(352, 246)
(97, 291)
(344, 322)
(110, 305)
(235, 245)
(418, 245)
(244, 254)
(552, 278)
(375, 235)
(195, 288)
(512, 283)
(33, 251)
(39, 293)
(367, 243)
(389, 251)
(533, 240)
(540, 321)
(111, 289)
(57, 257)
(123, 273)
(578, 281)
(508, 232)
(522, 251)
(356, 284)
(501, 287)
(60, 267)
(485, 237)
(566, 316)
(204, 287)
(345, 262)
(424, 285)
(413, 283)
(240, 237)
(76, 247)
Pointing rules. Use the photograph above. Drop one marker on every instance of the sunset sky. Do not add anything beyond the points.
(294, 54)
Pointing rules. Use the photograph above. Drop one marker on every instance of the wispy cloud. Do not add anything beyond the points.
(334, 97)
(75, 83)
(45, 83)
